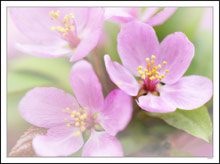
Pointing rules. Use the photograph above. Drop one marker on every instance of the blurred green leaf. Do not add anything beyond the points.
(185, 20)
(195, 122)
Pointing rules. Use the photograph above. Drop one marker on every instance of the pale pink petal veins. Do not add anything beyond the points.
(44, 51)
(86, 86)
(157, 104)
(117, 112)
(121, 77)
(101, 144)
(59, 141)
(177, 51)
(161, 17)
(190, 92)
(136, 41)
(43, 106)
(35, 23)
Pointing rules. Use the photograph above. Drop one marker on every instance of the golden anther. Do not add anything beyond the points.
(162, 76)
(143, 77)
(82, 128)
(68, 125)
(77, 133)
(147, 59)
(164, 63)
(153, 57)
(157, 73)
(66, 120)
(159, 66)
(76, 123)
(167, 71)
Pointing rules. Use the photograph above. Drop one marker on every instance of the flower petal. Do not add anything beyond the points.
(43, 106)
(149, 12)
(59, 141)
(156, 104)
(161, 17)
(121, 15)
(86, 45)
(121, 77)
(45, 51)
(189, 92)
(101, 144)
(136, 41)
(117, 112)
(178, 52)
(35, 23)
(86, 86)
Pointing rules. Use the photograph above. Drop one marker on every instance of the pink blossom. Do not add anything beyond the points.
(59, 111)
(149, 16)
(59, 31)
(159, 69)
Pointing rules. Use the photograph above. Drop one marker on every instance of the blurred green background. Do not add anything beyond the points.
(145, 135)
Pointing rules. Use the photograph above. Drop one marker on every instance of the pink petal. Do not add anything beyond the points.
(35, 23)
(157, 104)
(189, 92)
(86, 86)
(59, 141)
(121, 77)
(121, 15)
(86, 45)
(117, 112)
(136, 41)
(178, 52)
(45, 51)
(161, 17)
(101, 144)
(149, 12)
(43, 106)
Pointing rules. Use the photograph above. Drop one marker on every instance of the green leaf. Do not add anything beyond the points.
(195, 122)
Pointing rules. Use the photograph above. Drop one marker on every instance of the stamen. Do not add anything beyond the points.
(77, 133)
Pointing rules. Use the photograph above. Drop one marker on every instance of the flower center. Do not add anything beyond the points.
(79, 119)
(66, 27)
(151, 76)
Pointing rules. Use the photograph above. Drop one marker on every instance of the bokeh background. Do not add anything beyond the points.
(145, 135)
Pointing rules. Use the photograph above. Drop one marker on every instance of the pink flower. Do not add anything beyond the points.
(159, 68)
(59, 111)
(125, 15)
(59, 31)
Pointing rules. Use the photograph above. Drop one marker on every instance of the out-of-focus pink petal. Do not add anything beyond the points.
(43, 106)
(120, 15)
(101, 144)
(86, 86)
(121, 77)
(156, 104)
(190, 92)
(59, 141)
(149, 12)
(177, 51)
(35, 23)
(136, 41)
(86, 45)
(117, 112)
(44, 51)
(161, 17)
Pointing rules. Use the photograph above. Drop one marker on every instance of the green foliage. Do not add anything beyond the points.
(195, 122)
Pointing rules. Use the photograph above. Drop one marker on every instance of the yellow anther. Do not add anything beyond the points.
(86, 108)
(157, 73)
(83, 128)
(73, 104)
(58, 12)
(153, 57)
(63, 110)
(119, 84)
(72, 115)
(152, 78)
(76, 123)
(78, 113)
(71, 29)
(76, 119)
(156, 76)
(53, 28)
(66, 18)
(68, 109)
(74, 112)
(152, 61)
(59, 28)
(83, 117)
(155, 67)
(77, 133)
(143, 77)
(159, 66)
(68, 125)
(140, 72)
(148, 74)
(66, 120)
(64, 35)
(162, 76)
(164, 63)
(82, 123)
(140, 68)
(145, 70)
(72, 16)
(147, 59)
(167, 71)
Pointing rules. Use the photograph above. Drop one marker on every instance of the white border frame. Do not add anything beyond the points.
(214, 4)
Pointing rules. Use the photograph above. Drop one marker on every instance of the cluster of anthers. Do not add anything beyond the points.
(152, 72)
(77, 119)
(67, 25)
